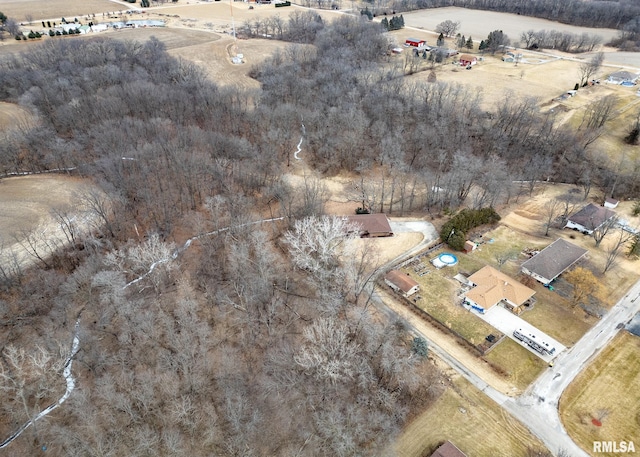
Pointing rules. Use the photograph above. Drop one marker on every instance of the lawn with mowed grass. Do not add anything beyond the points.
(473, 422)
(518, 364)
(607, 392)
(553, 314)
(439, 293)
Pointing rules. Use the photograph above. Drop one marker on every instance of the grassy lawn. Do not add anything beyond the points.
(567, 325)
(438, 291)
(521, 366)
(470, 420)
(608, 390)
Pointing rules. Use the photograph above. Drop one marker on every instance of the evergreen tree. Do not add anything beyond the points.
(440, 41)
(462, 41)
(385, 23)
(482, 46)
(469, 43)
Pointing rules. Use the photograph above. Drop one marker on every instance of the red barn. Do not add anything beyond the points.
(414, 42)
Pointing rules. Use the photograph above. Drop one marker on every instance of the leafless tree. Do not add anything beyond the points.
(551, 210)
(590, 67)
(614, 248)
(601, 231)
(448, 27)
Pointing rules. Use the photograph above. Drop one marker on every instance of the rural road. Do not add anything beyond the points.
(537, 408)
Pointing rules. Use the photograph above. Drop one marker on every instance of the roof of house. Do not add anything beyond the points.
(371, 223)
(400, 280)
(623, 75)
(468, 57)
(493, 286)
(554, 259)
(448, 449)
(415, 40)
(592, 216)
(611, 201)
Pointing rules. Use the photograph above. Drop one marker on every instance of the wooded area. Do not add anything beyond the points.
(259, 340)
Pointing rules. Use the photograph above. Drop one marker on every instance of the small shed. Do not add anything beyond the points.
(401, 282)
(610, 202)
(469, 246)
(467, 59)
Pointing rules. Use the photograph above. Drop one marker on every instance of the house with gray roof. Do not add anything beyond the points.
(552, 261)
(589, 218)
(620, 77)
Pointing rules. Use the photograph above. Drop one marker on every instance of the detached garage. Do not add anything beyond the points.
(401, 283)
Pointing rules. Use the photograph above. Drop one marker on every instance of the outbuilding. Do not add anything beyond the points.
(401, 283)
(371, 225)
(415, 42)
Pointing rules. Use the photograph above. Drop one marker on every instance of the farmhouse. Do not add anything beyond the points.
(492, 287)
(467, 59)
(589, 218)
(401, 283)
(552, 261)
(448, 449)
(620, 77)
(415, 42)
(371, 225)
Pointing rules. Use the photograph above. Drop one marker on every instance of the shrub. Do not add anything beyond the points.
(454, 231)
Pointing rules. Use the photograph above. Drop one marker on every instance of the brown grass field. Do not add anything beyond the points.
(13, 116)
(466, 417)
(56, 9)
(608, 391)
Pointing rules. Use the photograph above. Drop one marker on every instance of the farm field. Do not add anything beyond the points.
(56, 9)
(478, 23)
(474, 423)
(606, 391)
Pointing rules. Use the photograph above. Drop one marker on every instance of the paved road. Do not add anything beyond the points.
(537, 408)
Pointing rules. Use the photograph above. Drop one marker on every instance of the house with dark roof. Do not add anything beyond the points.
(552, 261)
(448, 449)
(401, 282)
(589, 218)
(492, 287)
(371, 225)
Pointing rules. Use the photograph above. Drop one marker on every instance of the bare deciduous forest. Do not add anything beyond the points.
(259, 340)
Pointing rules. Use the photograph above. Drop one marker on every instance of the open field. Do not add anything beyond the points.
(56, 9)
(12, 116)
(479, 24)
(25, 208)
(607, 391)
(469, 419)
